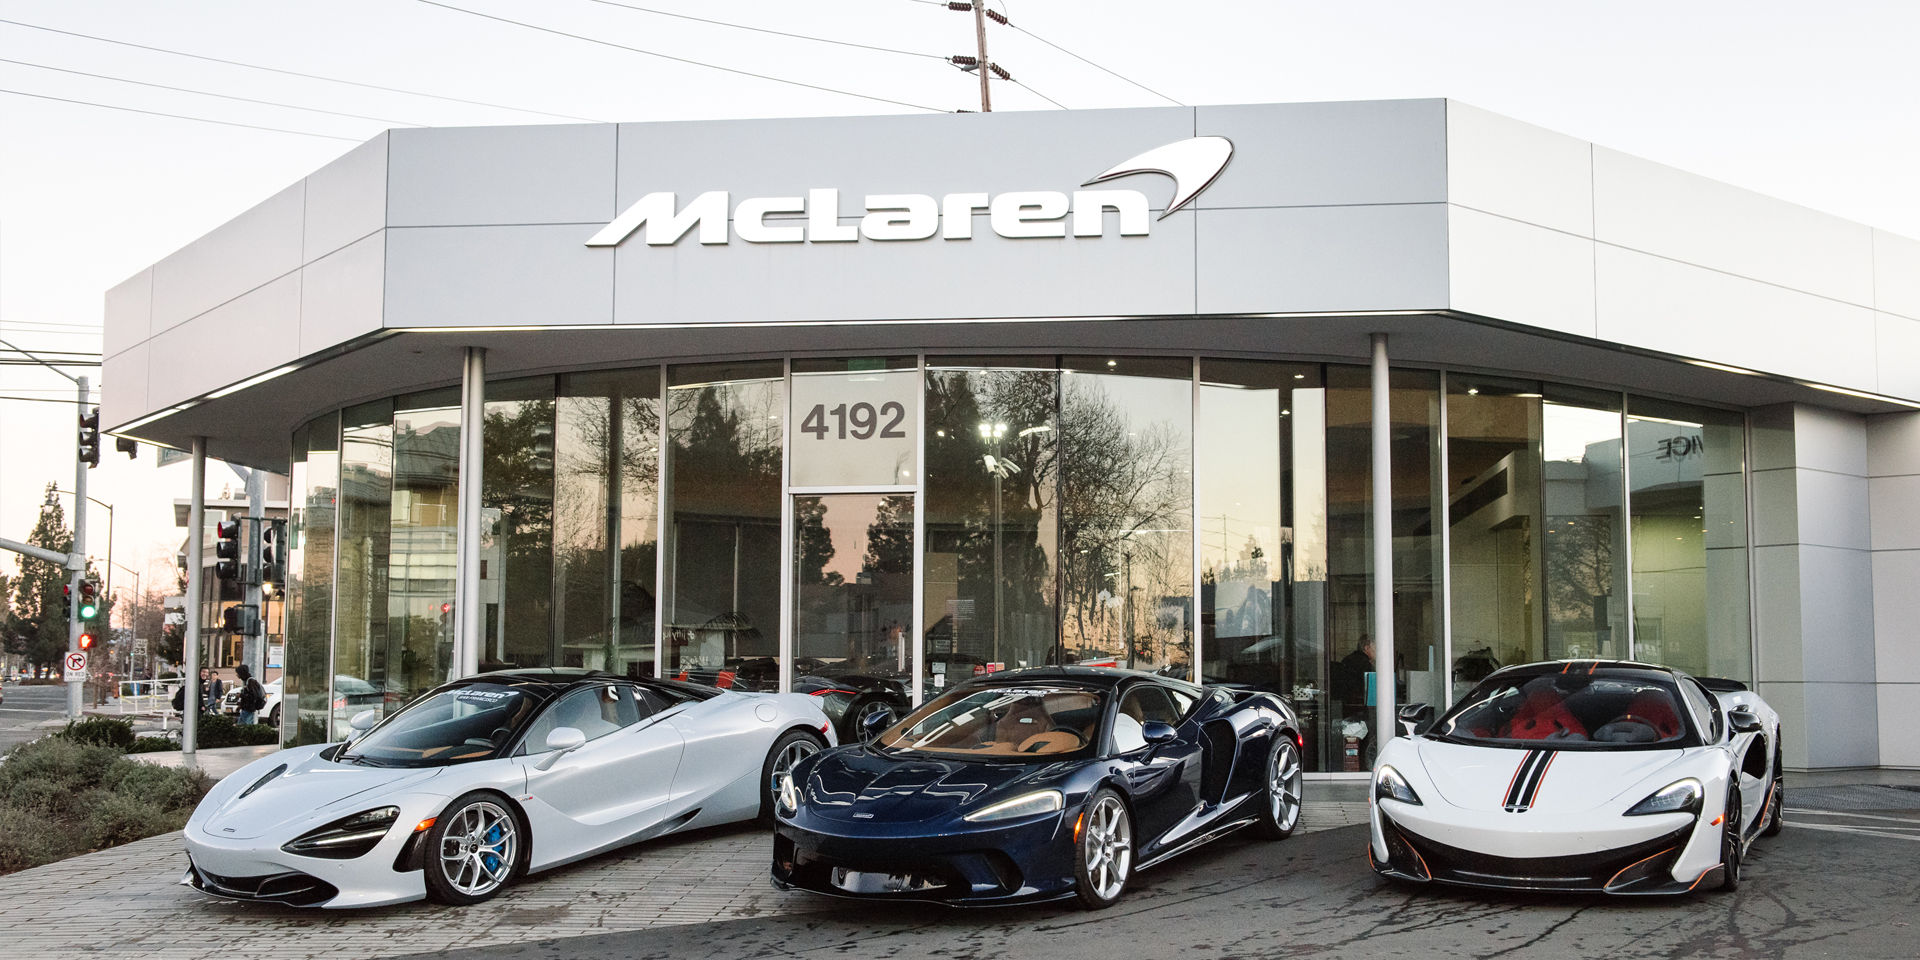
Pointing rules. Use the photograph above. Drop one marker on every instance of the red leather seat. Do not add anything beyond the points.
(1541, 716)
(1655, 708)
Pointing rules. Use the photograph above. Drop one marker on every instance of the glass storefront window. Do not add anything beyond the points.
(306, 685)
(517, 525)
(1584, 541)
(853, 585)
(724, 496)
(1494, 438)
(424, 513)
(1687, 474)
(855, 422)
(1259, 465)
(1418, 604)
(991, 515)
(360, 646)
(603, 606)
(1126, 512)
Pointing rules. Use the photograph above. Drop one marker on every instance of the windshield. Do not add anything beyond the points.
(450, 726)
(1001, 722)
(1619, 711)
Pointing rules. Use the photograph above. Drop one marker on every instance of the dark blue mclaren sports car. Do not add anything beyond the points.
(1038, 784)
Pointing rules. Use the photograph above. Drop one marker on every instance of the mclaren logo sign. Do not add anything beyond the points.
(815, 218)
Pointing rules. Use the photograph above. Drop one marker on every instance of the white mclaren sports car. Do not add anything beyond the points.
(1604, 776)
(488, 778)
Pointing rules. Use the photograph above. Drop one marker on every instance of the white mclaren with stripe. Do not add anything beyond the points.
(1595, 775)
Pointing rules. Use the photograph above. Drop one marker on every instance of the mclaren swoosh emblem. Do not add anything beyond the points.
(1193, 164)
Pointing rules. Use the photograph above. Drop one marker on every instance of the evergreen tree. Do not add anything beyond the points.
(37, 620)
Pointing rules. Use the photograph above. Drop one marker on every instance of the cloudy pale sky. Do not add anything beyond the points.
(1812, 102)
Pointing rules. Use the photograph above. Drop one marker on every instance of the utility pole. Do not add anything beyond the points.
(74, 695)
(980, 34)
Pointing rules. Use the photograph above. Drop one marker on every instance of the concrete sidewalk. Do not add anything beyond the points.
(215, 763)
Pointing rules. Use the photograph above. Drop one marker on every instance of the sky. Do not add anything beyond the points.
(1813, 103)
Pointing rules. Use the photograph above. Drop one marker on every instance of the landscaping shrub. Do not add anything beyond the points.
(152, 745)
(220, 730)
(60, 797)
(104, 731)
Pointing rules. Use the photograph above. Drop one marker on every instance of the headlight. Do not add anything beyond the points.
(1681, 796)
(1029, 805)
(789, 799)
(347, 838)
(1388, 784)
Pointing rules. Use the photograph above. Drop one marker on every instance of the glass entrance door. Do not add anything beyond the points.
(853, 586)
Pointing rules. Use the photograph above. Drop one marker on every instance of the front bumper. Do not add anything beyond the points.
(258, 871)
(974, 865)
(1643, 856)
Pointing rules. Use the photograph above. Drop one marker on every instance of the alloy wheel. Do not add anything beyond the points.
(1283, 783)
(1108, 843)
(479, 849)
(783, 762)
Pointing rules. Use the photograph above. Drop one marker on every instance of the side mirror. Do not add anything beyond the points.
(364, 720)
(1414, 719)
(876, 723)
(1156, 732)
(560, 742)
(1742, 720)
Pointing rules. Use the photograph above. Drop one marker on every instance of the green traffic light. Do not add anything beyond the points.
(87, 611)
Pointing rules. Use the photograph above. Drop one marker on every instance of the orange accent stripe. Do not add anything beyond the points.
(1569, 666)
(1596, 666)
(1636, 863)
(1541, 784)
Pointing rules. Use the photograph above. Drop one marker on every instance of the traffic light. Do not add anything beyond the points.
(89, 599)
(66, 600)
(273, 552)
(241, 618)
(128, 446)
(86, 641)
(226, 549)
(90, 437)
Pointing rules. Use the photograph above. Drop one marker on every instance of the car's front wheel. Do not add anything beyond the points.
(1280, 813)
(473, 850)
(792, 747)
(1730, 843)
(1103, 851)
(865, 711)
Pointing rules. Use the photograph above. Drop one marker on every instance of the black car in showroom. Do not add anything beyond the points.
(1038, 784)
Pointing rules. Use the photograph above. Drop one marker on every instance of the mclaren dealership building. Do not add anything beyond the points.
(1292, 395)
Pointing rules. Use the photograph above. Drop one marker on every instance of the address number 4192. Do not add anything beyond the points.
(859, 421)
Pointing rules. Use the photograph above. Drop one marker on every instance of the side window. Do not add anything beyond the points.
(1703, 706)
(1182, 701)
(1145, 703)
(594, 711)
(651, 701)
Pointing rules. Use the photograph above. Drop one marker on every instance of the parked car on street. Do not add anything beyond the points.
(1038, 784)
(485, 779)
(1605, 776)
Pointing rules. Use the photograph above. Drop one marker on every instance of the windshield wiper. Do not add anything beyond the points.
(363, 760)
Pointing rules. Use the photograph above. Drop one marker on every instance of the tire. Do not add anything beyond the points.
(474, 849)
(1103, 851)
(856, 717)
(273, 719)
(1280, 809)
(791, 748)
(1731, 843)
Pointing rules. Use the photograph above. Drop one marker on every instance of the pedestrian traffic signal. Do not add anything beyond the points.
(89, 600)
(226, 548)
(86, 641)
(90, 437)
(128, 446)
(242, 619)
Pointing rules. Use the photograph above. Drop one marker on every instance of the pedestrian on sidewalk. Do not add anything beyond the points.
(216, 689)
(252, 695)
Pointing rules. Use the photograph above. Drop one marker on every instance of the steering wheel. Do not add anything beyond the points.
(1081, 740)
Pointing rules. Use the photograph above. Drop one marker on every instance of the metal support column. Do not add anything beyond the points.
(468, 612)
(1383, 722)
(75, 691)
(196, 589)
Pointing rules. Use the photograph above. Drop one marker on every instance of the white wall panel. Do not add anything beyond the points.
(1833, 509)
(1836, 614)
(342, 294)
(1392, 151)
(502, 175)
(1830, 440)
(1899, 718)
(181, 356)
(1520, 272)
(1896, 274)
(1691, 311)
(129, 313)
(258, 246)
(123, 386)
(1895, 504)
(988, 276)
(1502, 166)
(1776, 592)
(1896, 616)
(1789, 700)
(1321, 258)
(1841, 726)
(1893, 444)
(1648, 206)
(1776, 507)
(496, 276)
(346, 199)
(1897, 353)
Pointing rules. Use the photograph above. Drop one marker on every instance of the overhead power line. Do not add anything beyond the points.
(1096, 66)
(180, 116)
(296, 73)
(209, 93)
(69, 401)
(668, 56)
(777, 33)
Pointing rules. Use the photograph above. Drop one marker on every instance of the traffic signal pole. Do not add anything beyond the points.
(75, 695)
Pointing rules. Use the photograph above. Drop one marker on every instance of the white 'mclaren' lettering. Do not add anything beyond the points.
(900, 216)
(665, 226)
(1090, 206)
(956, 214)
(823, 218)
(749, 220)
(1029, 213)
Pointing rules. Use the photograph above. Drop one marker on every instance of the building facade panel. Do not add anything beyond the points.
(237, 329)
(246, 253)
(1510, 169)
(342, 294)
(131, 299)
(345, 200)
(1321, 259)
(1328, 154)
(500, 176)
(1530, 274)
(1896, 274)
(495, 276)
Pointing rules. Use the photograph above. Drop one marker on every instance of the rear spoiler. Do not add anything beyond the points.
(1722, 685)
